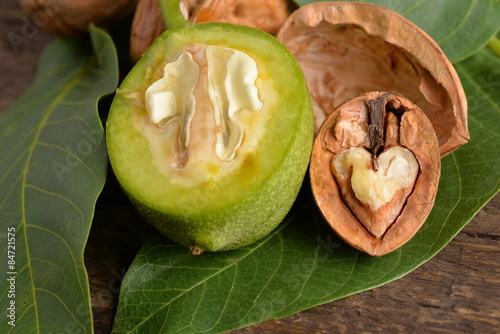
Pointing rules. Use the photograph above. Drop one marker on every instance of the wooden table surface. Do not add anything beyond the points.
(456, 291)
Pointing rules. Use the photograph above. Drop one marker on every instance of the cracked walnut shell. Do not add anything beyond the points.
(348, 48)
(375, 170)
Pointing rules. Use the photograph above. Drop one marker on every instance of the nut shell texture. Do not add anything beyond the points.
(72, 17)
(348, 48)
(417, 135)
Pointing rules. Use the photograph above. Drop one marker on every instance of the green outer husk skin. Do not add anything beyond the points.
(245, 220)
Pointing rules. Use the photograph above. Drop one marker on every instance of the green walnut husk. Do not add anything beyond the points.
(239, 200)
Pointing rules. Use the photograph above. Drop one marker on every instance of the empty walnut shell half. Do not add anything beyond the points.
(348, 48)
(267, 15)
(71, 18)
(375, 171)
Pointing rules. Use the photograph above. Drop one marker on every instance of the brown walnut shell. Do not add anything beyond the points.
(349, 126)
(148, 25)
(267, 15)
(71, 18)
(348, 48)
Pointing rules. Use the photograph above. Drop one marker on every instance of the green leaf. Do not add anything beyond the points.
(460, 27)
(52, 169)
(303, 263)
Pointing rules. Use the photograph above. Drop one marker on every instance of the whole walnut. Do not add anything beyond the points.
(71, 18)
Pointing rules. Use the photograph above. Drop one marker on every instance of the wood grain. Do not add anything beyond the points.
(456, 291)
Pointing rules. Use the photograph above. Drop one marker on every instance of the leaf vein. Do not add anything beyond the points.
(413, 7)
(13, 149)
(7, 195)
(459, 25)
(269, 279)
(226, 300)
(43, 191)
(77, 158)
(63, 304)
(478, 87)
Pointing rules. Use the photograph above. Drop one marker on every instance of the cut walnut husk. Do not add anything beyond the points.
(72, 18)
(348, 48)
(267, 15)
(375, 170)
(210, 133)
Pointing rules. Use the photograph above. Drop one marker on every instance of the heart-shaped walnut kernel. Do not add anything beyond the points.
(375, 170)
(376, 195)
